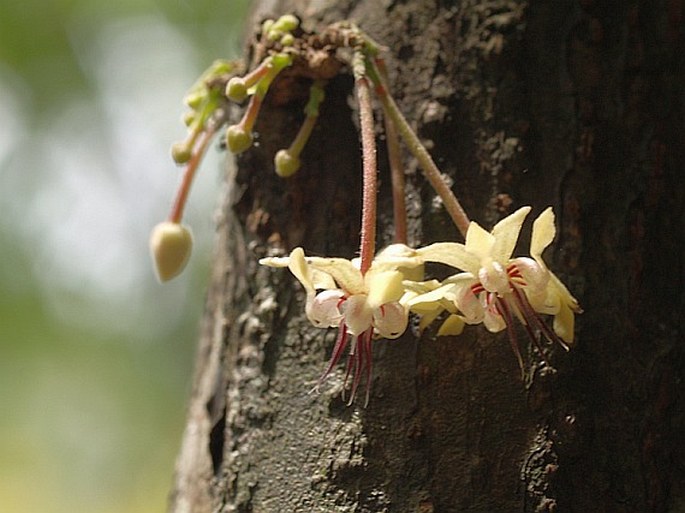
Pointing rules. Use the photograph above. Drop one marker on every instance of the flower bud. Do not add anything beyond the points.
(286, 163)
(194, 99)
(286, 23)
(236, 90)
(274, 34)
(266, 26)
(170, 246)
(287, 39)
(180, 152)
(281, 60)
(188, 117)
(237, 139)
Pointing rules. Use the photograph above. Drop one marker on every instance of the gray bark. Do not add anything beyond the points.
(573, 104)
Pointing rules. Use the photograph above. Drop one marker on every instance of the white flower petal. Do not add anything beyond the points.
(275, 261)
(358, 314)
(494, 277)
(493, 321)
(390, 320)
(322, 280)
(452, 254)
(322, 310)
(543, 233)
(564, 295)
(396, 256)
(469, 305)
(298, 266)
(434, 297)
(479, 242)
(535, 277)
(563, 324)
(506, 233)
(346, 275)
(453, 325)
(383, 287)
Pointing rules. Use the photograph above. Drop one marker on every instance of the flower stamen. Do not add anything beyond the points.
(340, 344)
(503, 309)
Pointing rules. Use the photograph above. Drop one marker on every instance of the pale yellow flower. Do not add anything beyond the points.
(495, 287)
(360, 305)
(344, 294)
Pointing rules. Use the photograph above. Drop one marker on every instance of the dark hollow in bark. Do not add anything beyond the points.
(574, 104)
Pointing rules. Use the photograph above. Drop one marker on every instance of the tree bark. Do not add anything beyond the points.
(577, 104)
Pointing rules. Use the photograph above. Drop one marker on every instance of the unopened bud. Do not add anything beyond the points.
(266, 26)
(181, 152)
(274, 34)
(286, 23)
(170, 246)
(189, 117)
(287, 39)
(237, 139)
(236, 90)
(195, 99)
(286, 163)
(281, 60)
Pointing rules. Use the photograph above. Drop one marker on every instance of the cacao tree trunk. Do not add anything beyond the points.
(575, 104)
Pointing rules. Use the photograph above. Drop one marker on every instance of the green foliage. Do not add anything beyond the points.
(95, 357)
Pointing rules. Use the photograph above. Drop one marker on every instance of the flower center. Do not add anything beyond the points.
(358, 314)
(494, 277)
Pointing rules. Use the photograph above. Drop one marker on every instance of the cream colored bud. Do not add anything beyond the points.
(287, 39)
(236, 90)
(286, 23)
(181, 152)
(170, 246)
(286, 163)
(237, 139)
(188, 117)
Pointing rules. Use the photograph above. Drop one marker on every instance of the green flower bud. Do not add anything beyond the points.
(286, 163)
(170, 246)
(236, 90)
(281, 60)
(287, 40)
(188, 117)
(274, 34)
(181, 152)
(286, 23)
(194, 99)
(237, 139)
(266, 26)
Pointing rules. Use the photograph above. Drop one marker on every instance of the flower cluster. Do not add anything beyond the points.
(372, 296)
(493, 289)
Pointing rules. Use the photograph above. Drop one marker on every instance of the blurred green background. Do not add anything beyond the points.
(95, 357)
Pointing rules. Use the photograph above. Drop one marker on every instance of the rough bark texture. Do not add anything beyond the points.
(577, 104)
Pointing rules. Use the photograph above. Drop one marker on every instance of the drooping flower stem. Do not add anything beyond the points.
(428, 166)
(181, 198)
(239, 137)
(250, 116)
(399, 204)
(311, 110)
(370, 182)
(256, 74)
